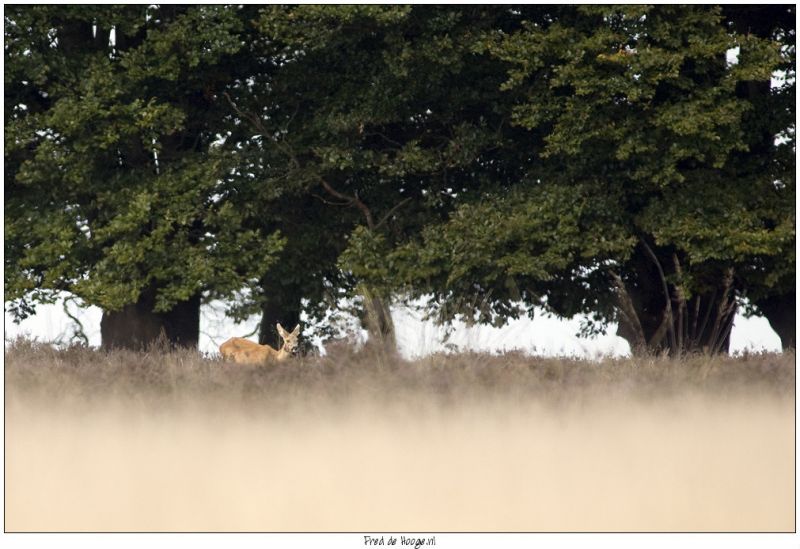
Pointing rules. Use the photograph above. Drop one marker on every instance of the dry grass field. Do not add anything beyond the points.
(352, 441)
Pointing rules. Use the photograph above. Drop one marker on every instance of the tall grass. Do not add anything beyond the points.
(362, 441)
(349, 373)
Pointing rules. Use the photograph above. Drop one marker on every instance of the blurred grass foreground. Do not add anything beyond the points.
(362, 441)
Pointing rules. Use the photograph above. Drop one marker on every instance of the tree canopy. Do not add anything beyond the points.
(660, 177)
(633, 162)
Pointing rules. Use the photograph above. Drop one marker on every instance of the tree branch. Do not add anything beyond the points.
(353, 200)
(692, 337)
(628, 312)
(79, 334)
(318, 197)
(672, 341)
(255, 120)
(707, 315)
(725, 308)
(385, 138)
(661, 331)
(681, 297)
(730, 312)
(386, 217)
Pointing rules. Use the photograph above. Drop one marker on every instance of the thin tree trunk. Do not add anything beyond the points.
(673, 342)
(629, 326)
(378, 321)
(282, 305)
(646, 316)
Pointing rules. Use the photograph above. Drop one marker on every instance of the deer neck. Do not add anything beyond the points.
(282, 355)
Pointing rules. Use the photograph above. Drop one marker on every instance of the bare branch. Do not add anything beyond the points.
(661, 331)
(726, 306)
(396, 207)
(692, 337)
(725, 332)
(334, 192)
(353, 200)
(255, 120)
(291, 118)
(318, 197)
(628, 312)
(672, 341)
(707, 315)
(80, 333)
(385, 138)
(681, 297)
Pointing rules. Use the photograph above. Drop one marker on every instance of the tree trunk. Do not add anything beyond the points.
(656, 317)
(780, 311)
(282, 305)
(377, 318)
(764, 21)
(136, 326)
(704, 328)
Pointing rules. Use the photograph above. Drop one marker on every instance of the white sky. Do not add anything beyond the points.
(542, 335)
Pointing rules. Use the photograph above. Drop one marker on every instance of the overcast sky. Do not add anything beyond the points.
(542, 335)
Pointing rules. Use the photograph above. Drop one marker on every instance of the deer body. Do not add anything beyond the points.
(244, 351)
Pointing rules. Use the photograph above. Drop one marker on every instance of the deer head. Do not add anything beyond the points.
(289, 339)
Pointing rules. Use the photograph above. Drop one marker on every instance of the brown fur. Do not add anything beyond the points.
(244, 351)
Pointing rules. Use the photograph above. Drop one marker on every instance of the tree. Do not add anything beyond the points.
(359, 114)
(771, 155)
(113, 182)
(641, 203)
(605, 160)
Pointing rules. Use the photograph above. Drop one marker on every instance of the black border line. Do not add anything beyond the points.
(7, 532)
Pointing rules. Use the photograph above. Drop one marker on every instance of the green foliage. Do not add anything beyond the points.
(640, 130)
(111, 183)
(487, 155)
(373, 101)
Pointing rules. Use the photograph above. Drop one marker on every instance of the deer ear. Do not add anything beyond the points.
(281, 331)
(296, 330)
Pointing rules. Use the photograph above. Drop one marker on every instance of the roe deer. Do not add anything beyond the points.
(244, 351)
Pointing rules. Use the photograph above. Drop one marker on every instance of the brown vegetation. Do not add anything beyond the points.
(91, 373)
(165, 441)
